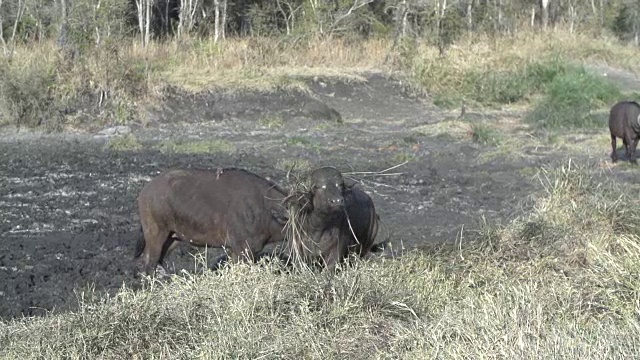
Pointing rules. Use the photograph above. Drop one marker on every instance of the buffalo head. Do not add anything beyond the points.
(327, 190)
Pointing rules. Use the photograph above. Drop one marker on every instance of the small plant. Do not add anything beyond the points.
(128, 142)
(297, 140)
(484, 134)
(403, 157)
(272, 122)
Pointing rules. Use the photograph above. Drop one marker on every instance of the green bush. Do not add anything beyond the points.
(570, 98)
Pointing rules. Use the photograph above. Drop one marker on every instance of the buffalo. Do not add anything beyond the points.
(329, 220)
(624, 122)
(242, 212)
(230, 208)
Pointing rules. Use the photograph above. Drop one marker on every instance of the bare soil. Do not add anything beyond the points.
(67, 201)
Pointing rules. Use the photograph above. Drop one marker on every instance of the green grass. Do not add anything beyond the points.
(127, 142)
(570, 99)
(485, 134)
(511, 80)
(297, 140)
(196, 147)
(560, 281)
(272, 122)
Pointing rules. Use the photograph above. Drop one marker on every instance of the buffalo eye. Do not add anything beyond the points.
(323, 187)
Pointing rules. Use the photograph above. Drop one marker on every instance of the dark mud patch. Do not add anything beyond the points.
(68, 202)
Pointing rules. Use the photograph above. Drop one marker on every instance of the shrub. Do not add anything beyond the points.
(26, 92)
(570, 98)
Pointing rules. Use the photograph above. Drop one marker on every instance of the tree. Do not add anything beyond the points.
(188, 11)
(4, 44)
(144, 20)
(220, 19)
(544, 10)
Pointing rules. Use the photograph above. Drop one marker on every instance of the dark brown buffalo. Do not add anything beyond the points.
(624, 122)
(337, 219)
(363, 220)
(230, 208)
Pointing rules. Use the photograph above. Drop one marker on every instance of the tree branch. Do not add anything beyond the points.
(357, 4)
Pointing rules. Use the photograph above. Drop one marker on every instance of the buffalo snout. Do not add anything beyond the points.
(328, 198)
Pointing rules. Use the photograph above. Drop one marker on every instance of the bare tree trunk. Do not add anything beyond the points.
(572, 16)
(4, 44)
(147, 34)
(533, 16)
(181, 18)
(401, 18)
(166, 17)
(141, 27)
(635, 25)
(289, 17)
(499, 5)
(601, 12)
(21, 7)
(284, 16)
(187, 19)
(544, 8)
(405, 22)
(469, 15)
(216, 20)
(441, 7)
(97, 27)
(223, 24)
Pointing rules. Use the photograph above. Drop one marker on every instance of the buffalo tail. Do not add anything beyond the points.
(140, 244)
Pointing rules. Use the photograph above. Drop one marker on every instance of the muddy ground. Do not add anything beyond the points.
(67, 201)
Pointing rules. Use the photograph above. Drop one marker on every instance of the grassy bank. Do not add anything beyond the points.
(111, 83)
(559, 281)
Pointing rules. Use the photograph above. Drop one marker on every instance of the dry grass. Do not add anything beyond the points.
(262, 64)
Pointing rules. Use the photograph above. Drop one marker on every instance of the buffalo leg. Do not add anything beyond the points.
(632, 151)
(168, 246)
(626, 147)
(335, 254)
(614, 153)
(154, 249)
